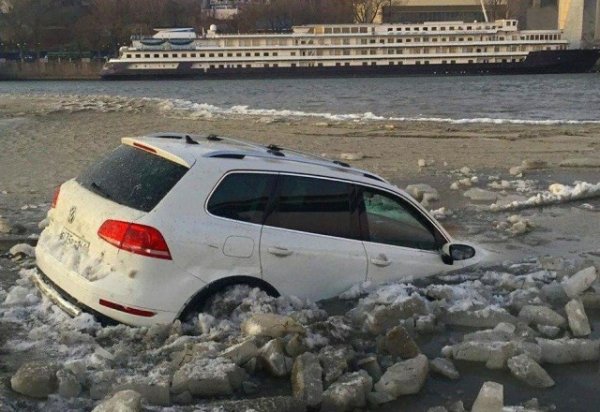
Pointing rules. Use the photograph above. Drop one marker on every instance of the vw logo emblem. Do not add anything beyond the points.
(71, 216)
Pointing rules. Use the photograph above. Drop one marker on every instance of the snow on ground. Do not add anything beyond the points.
(103, 359)
(556, 193)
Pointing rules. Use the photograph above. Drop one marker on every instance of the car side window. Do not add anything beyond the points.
(314, 205)
(242, 196)
(392, 221)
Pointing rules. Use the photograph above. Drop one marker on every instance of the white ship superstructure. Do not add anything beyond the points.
(343, 49)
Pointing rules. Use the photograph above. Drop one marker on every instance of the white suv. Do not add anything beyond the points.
(165, 221)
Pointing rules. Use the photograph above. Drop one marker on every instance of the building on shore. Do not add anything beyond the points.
(578, 19)
(419, 11)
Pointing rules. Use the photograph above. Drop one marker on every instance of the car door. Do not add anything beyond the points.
(229, 244)
(401, 242)
(310, 244)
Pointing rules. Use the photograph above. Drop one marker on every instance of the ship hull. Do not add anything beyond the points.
(539, 62)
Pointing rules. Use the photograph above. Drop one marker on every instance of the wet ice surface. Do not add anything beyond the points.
(31, 328)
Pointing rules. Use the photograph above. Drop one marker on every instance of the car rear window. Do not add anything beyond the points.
(132, 177)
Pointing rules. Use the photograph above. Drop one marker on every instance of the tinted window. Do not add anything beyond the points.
(313, 205)
(391, 221)
(132, 177)
(242, 196)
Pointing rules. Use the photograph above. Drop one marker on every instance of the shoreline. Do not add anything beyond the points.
(38, 130)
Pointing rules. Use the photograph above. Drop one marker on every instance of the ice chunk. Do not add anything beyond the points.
(490, 398)
(579, 282)
(578, 320)
(307, 384)
(528, 371)
(404, 378)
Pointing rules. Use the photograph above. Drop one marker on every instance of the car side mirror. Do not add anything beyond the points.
(456, 251)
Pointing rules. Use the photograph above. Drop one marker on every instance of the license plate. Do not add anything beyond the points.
(74, 240)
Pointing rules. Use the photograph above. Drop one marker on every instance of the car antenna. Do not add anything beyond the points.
(189, 140)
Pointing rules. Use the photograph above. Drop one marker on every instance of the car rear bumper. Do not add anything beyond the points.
(73, 294)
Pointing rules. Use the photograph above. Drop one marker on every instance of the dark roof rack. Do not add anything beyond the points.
(228, 156)
(343, 164)
(213, 138)
(370, 176)
(275, 150)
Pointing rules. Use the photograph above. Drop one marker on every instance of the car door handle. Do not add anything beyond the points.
(381, 261)
(279, 251)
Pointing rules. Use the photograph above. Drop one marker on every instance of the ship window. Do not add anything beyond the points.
(434, 29)
(229, 54)
(346, 64)
(425, 29)
(452, 61)
(211, 55)
(354, 30)
(418, 62)
(363, 30)
(407, 28)
(275, 54)
(336, 30)
(461, 39)
(221, 66)
(293, 64)
(327, 30)
(138, 56)
(248, 54)
(220, 54)
(470, 61)
(184, 55)
(345, 30)
(257, 54)
(156, 56)
(146, 55)
(238, 54)
(202, 55)
(408, 40)
(399, 40)
(248, 66)
(193, 55)
(265, 54)
(293, 53)
(442, 28)
(451, 27)
(390, 29)
(470, 39)
(128, 56)
(372, 41)
(212, 66)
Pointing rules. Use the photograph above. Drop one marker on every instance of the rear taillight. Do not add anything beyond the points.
(55, 197)
(134, 238)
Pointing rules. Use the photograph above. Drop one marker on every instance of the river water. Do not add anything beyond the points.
(487, 99)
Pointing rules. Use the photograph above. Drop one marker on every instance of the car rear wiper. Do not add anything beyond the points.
(100, 190)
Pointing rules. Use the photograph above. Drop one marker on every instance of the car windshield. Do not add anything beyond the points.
(132, 177)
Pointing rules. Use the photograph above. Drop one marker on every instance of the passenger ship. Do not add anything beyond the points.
(434, 48)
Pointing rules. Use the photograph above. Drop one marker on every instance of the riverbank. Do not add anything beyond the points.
(79, 69)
